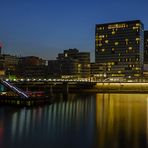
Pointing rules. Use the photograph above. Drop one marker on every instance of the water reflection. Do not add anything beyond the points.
(89, 121)
(121, 120)
(61, 124)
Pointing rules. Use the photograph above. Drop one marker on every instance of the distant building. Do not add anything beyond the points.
(32, 67)
(145, 47)
(2, 68)
(31, 60)
(119, 47)
(83, 64)
(69, 68)
(75, 63)
(97, 71)
(10, 63)
(70, 53)
(54, 68)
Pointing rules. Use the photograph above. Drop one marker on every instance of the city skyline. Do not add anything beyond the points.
(43, 28)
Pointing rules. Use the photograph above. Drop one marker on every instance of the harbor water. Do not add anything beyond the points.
(78, 121)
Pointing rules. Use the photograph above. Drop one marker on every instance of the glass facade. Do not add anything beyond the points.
(119, 47)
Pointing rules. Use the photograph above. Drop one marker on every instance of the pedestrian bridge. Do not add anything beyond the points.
(8, 85)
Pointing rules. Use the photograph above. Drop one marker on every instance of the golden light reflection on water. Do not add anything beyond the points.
(120, 118)
(90, 121)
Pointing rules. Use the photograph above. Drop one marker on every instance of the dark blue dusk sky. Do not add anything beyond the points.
(46, 27)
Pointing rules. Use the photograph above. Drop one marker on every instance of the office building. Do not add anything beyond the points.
(32, 67)
(54, 68)
(145, 47)
(97, 71)
(75, 63)
(119, 47)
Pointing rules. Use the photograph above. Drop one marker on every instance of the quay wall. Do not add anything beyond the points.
(87, 87)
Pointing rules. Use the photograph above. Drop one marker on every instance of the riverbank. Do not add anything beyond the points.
(79, 87)
(113, 88)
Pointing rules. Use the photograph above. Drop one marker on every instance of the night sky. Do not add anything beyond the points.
(46, 27)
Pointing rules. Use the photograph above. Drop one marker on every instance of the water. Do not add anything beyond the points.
(82, 121)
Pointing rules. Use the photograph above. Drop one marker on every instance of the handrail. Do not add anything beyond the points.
(15, 89)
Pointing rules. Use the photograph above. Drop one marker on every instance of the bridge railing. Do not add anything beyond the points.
(14, 89)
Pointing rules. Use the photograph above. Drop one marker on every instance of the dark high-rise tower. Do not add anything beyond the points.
(119, 47)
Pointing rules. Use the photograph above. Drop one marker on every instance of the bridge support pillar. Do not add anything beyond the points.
(65, 87)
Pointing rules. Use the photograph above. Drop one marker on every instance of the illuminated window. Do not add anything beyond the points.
(135, 28)
(137, 68)
(116, 26)
(137, 39)
(106, 41)
(119, 60)
(100, 45)
(113, 32)
(113, 49)
(66, 55)
(130, 48)
(136, 75)
(113, 63)
(126, 41)
(79, 65)
(138, 24)
(100, 28)
(109, 63)
(101, 36)
(116, 43)
(103, 50)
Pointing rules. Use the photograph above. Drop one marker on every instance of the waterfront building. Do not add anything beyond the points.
(69, 68)
(32, 67)
(75, 63)
(146, 47)
(31, 60)
(83, 64)
(119, 47)
(54, 68)
(2, 69)
(97, 71)
(70, 53)
(10, 63)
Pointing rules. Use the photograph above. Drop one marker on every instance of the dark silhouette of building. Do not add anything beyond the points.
(2, 68)
(75, 63)
(0, 48)
(54, 68)
(119, 47)
(145, 47)
(10, 64)
(32, 67)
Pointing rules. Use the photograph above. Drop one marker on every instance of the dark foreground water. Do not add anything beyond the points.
(81, 121)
